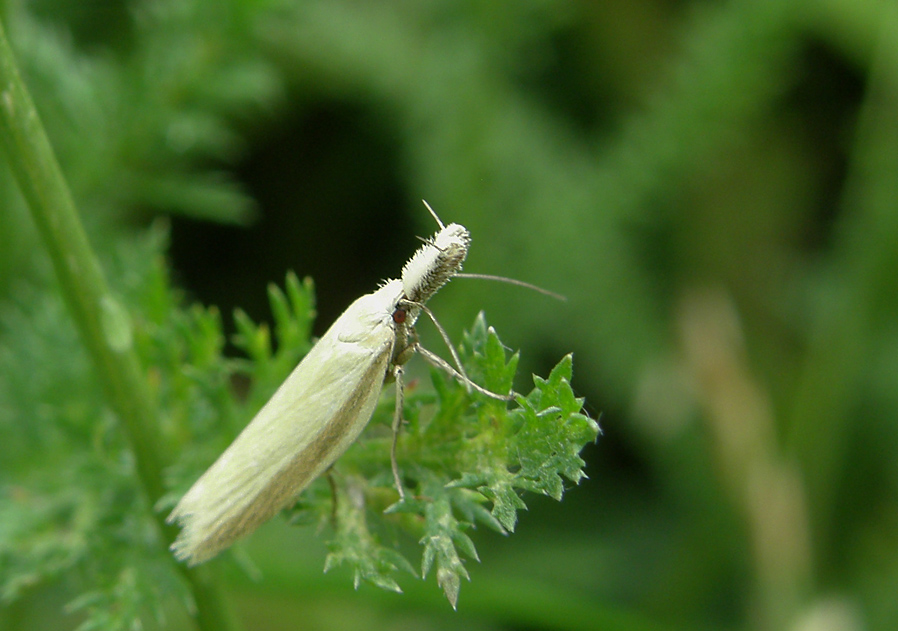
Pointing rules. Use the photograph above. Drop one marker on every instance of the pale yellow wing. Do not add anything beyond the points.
(306, 425)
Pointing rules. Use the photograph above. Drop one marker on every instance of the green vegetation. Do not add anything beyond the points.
(712, 185)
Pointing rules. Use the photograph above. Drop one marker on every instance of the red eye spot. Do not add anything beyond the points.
(399, 316)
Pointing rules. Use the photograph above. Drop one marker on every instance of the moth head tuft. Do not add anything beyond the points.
(435, 263)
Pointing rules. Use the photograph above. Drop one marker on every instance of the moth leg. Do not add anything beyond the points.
(416, 345)
(405, 354)
(442, 364)
(397, 423)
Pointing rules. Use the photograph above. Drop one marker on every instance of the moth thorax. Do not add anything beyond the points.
(401, 348)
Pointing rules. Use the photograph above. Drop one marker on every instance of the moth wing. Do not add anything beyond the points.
(314, 416)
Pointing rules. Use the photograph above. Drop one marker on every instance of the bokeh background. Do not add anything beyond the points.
(712, 184)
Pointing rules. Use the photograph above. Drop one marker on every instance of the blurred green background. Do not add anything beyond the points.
(712, 184)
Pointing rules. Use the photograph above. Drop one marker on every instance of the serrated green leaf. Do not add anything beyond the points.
(464, 545)
(294, 313)
(506, 502)
(443, 536)
(251, 338)
(450, 582)
(355, 546)
(476, 513)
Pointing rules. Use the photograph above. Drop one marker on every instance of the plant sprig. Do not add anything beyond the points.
(465, 459)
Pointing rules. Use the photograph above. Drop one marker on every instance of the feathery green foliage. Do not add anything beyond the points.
(466, 459)
(458, 453)
(712, 185)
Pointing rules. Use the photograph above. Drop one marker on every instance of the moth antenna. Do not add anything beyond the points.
(513, 281)
(433, 214)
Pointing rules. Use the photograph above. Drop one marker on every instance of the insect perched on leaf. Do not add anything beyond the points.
(323, 406)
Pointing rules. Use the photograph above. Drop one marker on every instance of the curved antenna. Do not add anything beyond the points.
(513, 281)
(433, 214)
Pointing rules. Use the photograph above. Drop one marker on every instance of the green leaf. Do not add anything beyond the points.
(355, 546)
(294, 313)
(466, 459)
(442, 536)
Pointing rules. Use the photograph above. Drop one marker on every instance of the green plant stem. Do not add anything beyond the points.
(103, 324)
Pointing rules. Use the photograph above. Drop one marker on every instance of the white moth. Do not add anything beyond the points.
(321, 408)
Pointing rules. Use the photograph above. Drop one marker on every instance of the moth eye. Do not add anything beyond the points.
(399, 316)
